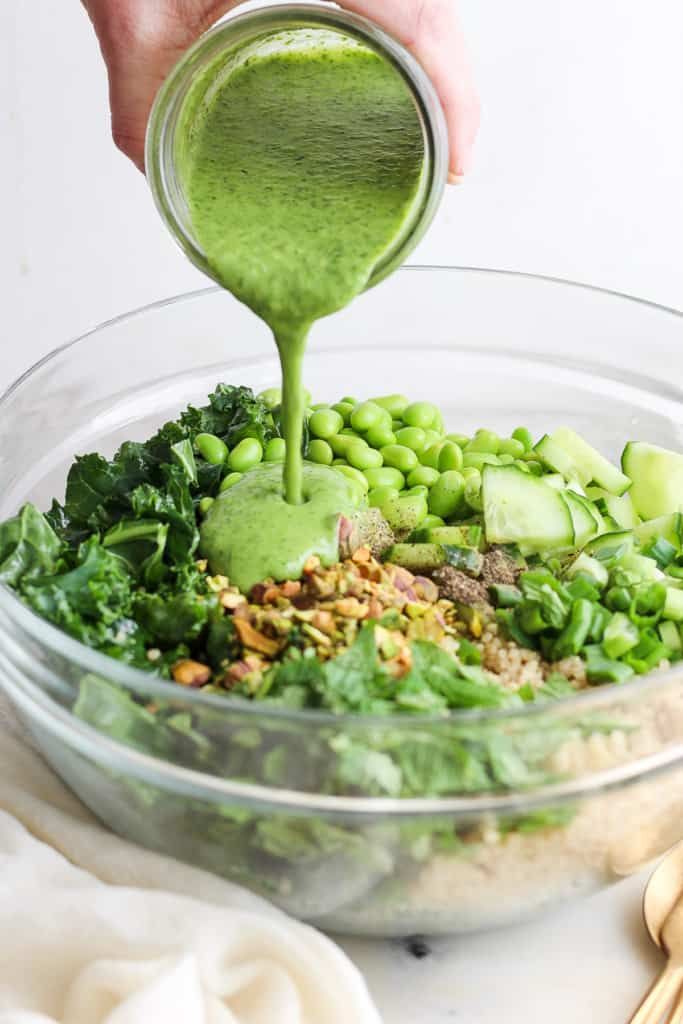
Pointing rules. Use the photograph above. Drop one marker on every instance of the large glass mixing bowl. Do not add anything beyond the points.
(259, 795)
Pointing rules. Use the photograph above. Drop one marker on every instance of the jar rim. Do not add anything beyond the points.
(240, 29)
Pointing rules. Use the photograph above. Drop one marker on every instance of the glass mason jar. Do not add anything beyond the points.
(235, 39)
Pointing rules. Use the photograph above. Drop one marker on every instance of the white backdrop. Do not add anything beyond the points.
(579, 170)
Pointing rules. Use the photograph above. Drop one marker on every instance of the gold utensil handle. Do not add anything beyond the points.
(660, 996)
(676, 1015)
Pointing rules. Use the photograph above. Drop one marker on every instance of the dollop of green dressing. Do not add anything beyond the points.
(301, 163)
(251, 532)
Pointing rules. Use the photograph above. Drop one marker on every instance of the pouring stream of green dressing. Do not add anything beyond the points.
(303, 163)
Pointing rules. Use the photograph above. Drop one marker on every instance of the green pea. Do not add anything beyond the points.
(473, 495)
(523, 435)
(430, 456)
(510, 446)
(535, 468)
(471, 473)
(421, 489)
(339, 443)
(360, 456)
(350, 400)
(446, 494)
(275, 450)
(229, 481)
(421, 414)
(406, 512)
(397, 425)
(412, 437)
(460, 439)
(479, 459)
(430, 521)
(504, 459)
(379, 436)
(272, 397)
(524, 466)
(354, 474)
(484, 441)
(319, 451)
(366, 415)
(385, 476)
(344, 409)
(422, 476)
(437, 425)
(325, 422)
(211, 448)
(450, 457)
(317, 406)
(431, 437)
(394, 404)
(350, 432)
(247, 454)
(400, 457)
(379, 495)
(338, 462)
(205, 504)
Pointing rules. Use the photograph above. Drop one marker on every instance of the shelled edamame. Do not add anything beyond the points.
(396, 449)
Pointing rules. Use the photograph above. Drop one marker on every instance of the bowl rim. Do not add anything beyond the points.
(133, 678)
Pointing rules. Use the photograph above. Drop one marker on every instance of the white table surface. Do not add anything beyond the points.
(578, 175)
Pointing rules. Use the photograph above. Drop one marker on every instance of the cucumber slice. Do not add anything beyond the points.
(669, 527)
(522, 509)
(557, 459)
(619, 507)
(589, 464)
(657, 476)
(610, 544)
(584, 523)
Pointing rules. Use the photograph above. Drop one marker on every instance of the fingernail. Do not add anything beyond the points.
(455, 179)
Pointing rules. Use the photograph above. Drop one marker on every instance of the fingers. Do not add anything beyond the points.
(431, 30)
(140, 43)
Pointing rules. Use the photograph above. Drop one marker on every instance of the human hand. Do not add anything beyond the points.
(141, 41)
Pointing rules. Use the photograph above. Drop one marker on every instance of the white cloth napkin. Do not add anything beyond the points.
(94, 930)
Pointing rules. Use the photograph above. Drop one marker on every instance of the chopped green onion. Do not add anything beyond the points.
(647, 604)
(673, 605)
(620, 635)
(574, 635)
(662, 551)
(601, 669)
(504, 595)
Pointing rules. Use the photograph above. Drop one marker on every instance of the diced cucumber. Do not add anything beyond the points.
(468, 560)
(657, 476)
(642, 566)
(669, 527)
(591, 465)
(670, 635)
(673, 605)
(461, 536)
(522, 509)
(584, 523)
(416, 557)
(588, 566)
(609, 545)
